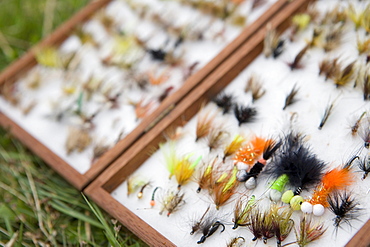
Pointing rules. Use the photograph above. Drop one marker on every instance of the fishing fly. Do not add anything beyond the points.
(245, 114)
(250, 177)
(308, 232)
(329, 68)
(152, 200)
(254, 85)
(204, 124)
(78, 139)
(225, 102)
(242, 211)
(364, 131)
(248, 154)
(207, 175)
(172, 201)
(328, 110)
(295, 165)
(344, 206)
(209, 228)
(364, 166)
(136, 182)
(180, 166)
(334, 180)
(216, 137)
(223, 187)
(273, 45)
(356, 125)
(291, 97)
(236, 242)
(297, 62)
(233, 146)
(199, 224)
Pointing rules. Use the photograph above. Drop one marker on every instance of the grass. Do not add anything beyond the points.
(38, 207)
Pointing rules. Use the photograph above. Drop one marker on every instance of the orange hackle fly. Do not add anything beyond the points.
(251, 152)
(334, 180)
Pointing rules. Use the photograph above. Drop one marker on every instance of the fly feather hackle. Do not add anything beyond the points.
(328, 110)
(273, 45)
(364, 166)
(216, 137)
(297, 161)
(333, 37)
(334, 180)
(256, 223)
(308, 231)
(254, 85)
(223, 187)
(250, 151)
(345, 208)
(225, 102)
(365, 81)
(236, 242)
(143, 108)
(317, 34)
(355, 16)
(207, 174)
(356, 125)
(233, 146)
(173, 133)
(134, 183)
(245, 114)
(363, 46)
(210, 226)
(171, 159)
(199, 224)
(344, 76)
(78, 139)
(297, 62)
(172, 201)
(242, 211)
(204, 124)
(291, 97)
(99, 148)
(329, 68)
(258, 3)
(270, 148)
(281, 222)
(364, 131)
(185, 168)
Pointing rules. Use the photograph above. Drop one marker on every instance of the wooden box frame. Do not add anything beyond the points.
(27, 61)
(125, 165)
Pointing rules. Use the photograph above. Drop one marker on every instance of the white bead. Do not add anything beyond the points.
(241, 166)
(306, 208)
(251, 183)
(241, 174)
(318, 210)
(275, 195)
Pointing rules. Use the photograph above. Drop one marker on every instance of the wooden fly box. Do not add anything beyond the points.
(160, 207)
(99, 111)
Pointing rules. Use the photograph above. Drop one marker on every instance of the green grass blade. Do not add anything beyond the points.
(69, 211)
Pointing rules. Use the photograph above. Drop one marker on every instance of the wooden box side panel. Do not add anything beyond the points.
(362, 237)
(129, 219)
